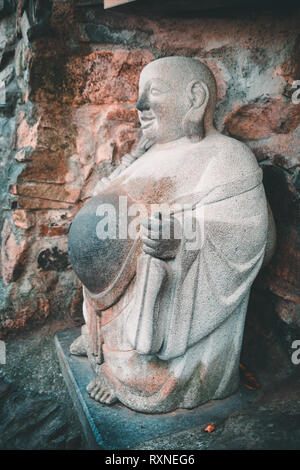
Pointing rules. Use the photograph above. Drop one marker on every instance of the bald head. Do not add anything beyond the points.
(168, 90)
(180, 71)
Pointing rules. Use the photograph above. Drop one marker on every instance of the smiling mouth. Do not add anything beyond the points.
(146, 122)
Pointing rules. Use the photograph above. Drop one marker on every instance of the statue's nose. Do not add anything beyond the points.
(142, 104)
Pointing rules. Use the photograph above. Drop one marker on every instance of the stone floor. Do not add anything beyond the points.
(272, 422)
(36, 411)
(35, 408)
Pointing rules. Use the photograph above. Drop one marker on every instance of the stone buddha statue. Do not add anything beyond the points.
(164, 315)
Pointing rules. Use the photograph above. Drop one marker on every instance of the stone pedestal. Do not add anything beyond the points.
(117, 427)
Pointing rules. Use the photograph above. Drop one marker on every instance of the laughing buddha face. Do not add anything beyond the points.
(162, 103)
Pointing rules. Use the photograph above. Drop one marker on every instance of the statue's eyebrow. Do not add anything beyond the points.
(159, 83)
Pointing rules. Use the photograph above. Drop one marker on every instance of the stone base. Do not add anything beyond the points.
(117, 427)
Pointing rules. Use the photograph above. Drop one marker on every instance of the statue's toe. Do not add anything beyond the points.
(100, 394)
(101, 391)
(91, 385)
(110, 398)
(106, 396)
(95, 391)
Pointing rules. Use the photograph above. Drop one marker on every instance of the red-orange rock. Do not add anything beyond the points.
(41, 204)
(104, 132)
(26, 135)
(53, 192)
(284, 269)
(109, 76)
(122, 114)
(53, 231)
(256, 121)
(216, 69)
(13, 254)
(24, 219)
(37, 308)
(289, 312)
(46, 167)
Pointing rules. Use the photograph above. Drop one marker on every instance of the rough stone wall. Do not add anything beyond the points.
(71, 116)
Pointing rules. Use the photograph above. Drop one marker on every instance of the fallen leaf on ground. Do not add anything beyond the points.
(210, 428)
(249, 379)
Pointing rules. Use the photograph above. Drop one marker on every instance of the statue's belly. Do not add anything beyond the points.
(104, 262)
(106, 265)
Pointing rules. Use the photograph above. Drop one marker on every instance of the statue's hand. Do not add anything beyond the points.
(161, 236)
(142, 146)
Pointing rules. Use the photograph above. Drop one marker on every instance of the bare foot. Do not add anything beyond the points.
(79, 346)
(101, 390)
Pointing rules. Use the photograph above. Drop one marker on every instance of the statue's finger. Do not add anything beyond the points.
(151, 221)
(149, 242)
(150, 231)
(146, 223)
(154, 224)
(149, 251)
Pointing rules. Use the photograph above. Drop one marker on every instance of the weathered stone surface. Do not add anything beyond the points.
(49, 191)
(20, 156)
(40, 204)
(13, 254)
(26, 135)
(35, 410)
(109, 77)
(52, 260)
(262, 120)
(271, 424)
(24, 220)
(272, 416)
(8, 30)
(54, 230)
(45, 166)
(102, 33)
(37, 308)
(7, 74)
(76, 146)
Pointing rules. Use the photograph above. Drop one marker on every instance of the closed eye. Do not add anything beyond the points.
(155, 92)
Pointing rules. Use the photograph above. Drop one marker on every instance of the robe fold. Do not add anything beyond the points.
(208, 283)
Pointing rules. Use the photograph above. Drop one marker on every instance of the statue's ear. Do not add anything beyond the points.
(198, 95)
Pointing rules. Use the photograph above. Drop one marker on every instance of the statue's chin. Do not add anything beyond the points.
(150, 131)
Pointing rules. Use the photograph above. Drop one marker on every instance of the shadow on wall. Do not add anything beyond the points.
(273, 322)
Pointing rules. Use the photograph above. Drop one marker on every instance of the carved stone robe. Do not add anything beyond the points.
(174, 338)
